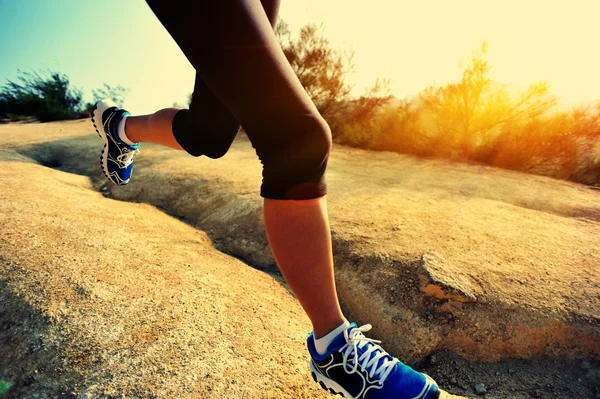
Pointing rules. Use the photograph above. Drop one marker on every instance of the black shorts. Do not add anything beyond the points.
(244, 79)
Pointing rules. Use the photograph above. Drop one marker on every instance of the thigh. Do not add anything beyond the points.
(208, 114)
(202, 93)
(233, 48)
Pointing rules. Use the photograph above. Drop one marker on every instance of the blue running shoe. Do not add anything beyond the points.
(116, 159)
(355, 367)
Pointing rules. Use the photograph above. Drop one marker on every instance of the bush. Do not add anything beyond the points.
(115, 93)
(563, 145)
(482, 121)
(46, 98)
(403, 130)
(3, 108)
(364, 119)
(469, 114)
(322, 71)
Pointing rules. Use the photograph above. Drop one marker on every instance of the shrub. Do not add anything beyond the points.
(403, 130)
(468, 115)
(479, 120)
(364, 118)
(115, 93)
(321, 70)
(46, 98)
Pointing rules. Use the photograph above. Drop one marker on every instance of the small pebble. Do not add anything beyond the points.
(480, 389)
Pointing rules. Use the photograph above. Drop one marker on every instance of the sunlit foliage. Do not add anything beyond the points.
(323, 73)
(47, 97)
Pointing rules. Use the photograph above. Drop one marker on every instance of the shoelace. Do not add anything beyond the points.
(370, 358)
(126, 158)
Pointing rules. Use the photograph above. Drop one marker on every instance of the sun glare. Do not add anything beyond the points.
(417, 44)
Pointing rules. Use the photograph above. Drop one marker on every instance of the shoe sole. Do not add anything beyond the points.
(328, 384)
(336, 389)
(104, 154)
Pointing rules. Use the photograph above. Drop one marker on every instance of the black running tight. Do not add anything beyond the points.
(244, 79)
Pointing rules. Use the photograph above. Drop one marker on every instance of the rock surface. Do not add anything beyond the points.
(101, 298)
(105, 299)
(486, 263)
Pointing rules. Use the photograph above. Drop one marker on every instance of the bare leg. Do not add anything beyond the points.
(154, 128)
(300, 239)
(298, 233)
(234, 50)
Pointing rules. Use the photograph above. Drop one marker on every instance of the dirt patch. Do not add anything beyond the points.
(517, 379)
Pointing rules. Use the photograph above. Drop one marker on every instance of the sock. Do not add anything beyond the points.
(121, 131)
(322, 343)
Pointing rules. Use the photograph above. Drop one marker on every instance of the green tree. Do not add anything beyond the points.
(115, 93)
(48, 98)
(3, 108)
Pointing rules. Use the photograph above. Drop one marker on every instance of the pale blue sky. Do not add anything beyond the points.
(415, 43)
(63, 35)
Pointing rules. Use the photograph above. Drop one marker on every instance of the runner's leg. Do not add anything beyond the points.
(235, 51)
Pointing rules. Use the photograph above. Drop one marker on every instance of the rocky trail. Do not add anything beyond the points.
(488, 280)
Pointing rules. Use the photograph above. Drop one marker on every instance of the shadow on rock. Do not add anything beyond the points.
(30, 358)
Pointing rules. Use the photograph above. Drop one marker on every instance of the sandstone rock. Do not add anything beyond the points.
(516, 261)
(436, 280)
(121, 313)
(517, 264)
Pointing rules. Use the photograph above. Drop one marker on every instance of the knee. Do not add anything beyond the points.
(295, 164)
(216, 141)
(216, 149)
(306, 144)
(322, 140)
(310, 141)
(211, 138)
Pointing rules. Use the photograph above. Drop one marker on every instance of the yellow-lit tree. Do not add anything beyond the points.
(466, 117)
(321, 70)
